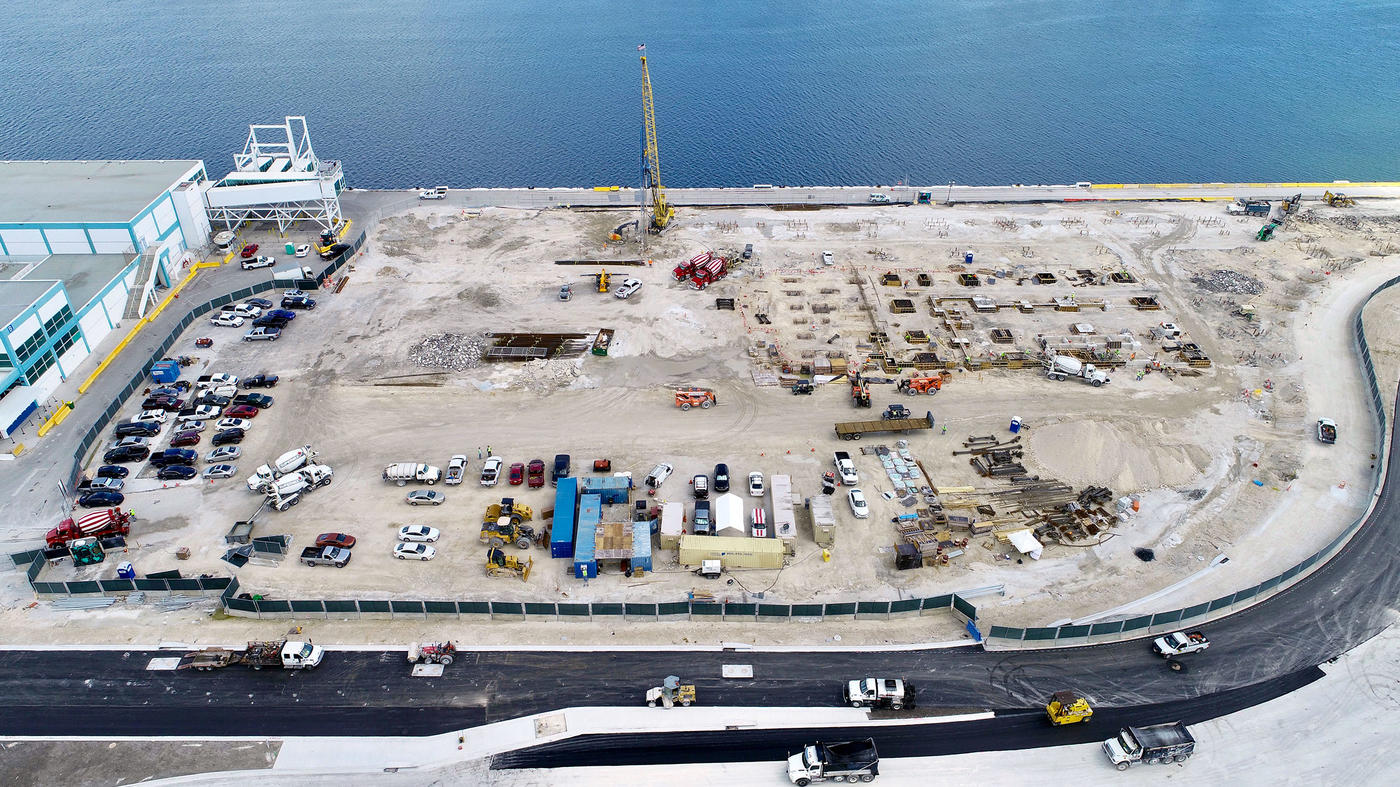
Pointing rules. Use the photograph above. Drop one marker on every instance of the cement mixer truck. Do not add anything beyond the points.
(1060, 367)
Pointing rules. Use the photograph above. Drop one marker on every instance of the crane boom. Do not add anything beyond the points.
(661, 213)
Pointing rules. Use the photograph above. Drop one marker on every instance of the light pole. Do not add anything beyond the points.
(949, 201)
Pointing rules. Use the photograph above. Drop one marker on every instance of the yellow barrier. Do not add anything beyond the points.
(344, 229)
(1107, 186)
(56, 419)
(227, 257)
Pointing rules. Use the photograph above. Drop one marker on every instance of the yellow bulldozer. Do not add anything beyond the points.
(505, 524)
(1066, 707)
(499, 564)
(1338, 200)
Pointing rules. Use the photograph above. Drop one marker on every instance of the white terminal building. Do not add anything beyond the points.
(87, 246)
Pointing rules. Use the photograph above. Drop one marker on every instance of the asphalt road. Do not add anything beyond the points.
(111, 693)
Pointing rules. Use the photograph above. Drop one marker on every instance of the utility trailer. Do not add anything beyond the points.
(855, 430)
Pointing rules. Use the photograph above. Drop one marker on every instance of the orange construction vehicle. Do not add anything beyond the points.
(703, 398)
(921, 385)
(860, 392)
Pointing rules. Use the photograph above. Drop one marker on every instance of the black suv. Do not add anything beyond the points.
(271, 321)
(298, 302)
(259, 381)
(174, 456)
(704, 525)
(721, 477)
(138, 429)
(127, 453)
(260, 401)
(213, 399)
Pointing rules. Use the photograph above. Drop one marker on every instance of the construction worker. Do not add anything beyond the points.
(488, 452)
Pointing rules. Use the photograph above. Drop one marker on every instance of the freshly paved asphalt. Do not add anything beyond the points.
(1269, 648)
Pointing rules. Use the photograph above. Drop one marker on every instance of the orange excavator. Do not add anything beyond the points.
(922, 385)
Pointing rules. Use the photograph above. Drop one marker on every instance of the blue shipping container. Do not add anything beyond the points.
(561, 536)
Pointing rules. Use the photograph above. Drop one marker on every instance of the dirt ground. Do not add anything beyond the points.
(1224, 463)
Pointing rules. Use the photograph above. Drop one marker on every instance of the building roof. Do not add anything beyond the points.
(16, 296)
(83, 275)
(83, 191)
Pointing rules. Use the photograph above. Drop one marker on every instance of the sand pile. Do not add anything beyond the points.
(1123, 459)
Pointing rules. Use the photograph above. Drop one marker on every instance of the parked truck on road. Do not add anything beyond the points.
(851, 761)
(1060, 367)
(845, 468)
(288, 275)
(98, 524)
(1180, 643)
(878, 693)
(325, 556)
(403, 472)
(283, 653)
(855, 430)
(1326, 430)
(1158, 744)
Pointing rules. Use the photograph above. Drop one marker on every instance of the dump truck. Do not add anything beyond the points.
(1158, 744)
(1066, 707)
(284, 653)
(97, 524)
(855, 430)
(845, 468)
(1180, 643)
(890, 693)
(325, 556)
(850, 761)
(1248, 207)
(1060, 367)
(403, 472)
(1326, 430)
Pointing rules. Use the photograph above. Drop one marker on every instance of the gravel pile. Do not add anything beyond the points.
(454, 351)
(1228, 281)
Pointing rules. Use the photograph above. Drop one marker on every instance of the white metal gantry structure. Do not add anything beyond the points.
(278, 178)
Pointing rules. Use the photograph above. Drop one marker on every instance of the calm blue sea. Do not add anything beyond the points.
(516, 93)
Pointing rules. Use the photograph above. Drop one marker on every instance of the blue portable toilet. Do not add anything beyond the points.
(967, 258)
(1016, 424)
(125, 570)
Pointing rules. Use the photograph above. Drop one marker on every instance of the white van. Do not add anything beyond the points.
(438, 193)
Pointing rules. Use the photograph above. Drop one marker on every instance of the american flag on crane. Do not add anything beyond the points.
(641, 47)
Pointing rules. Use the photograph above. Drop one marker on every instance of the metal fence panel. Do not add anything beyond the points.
(706, 610)
(541, 609)
(573, 610)
(117, 585)
(806, 610)
(507, 608)
(606, 609)
(748, 610)
(341, 606)
(841, 608)
(1098, 629)
(373, 607)
(872, 607)
(241, 604)
(1166, 618)
(1003, 632)
(473, 608)
(1136, 624)
(266, 606)
(308, 606)
(184, 584)
(673, 608)
(1070, 632)
(1039, 634)
(905, 605)
(440, 607)
(406, 607)
(83, 587)
(964, 606)
(642, 610)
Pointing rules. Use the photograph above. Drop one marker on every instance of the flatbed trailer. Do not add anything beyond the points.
(854, 430)
(284, 654)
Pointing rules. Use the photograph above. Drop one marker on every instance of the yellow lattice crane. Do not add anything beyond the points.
(661, 213)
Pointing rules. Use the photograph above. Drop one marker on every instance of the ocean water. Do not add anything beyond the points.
(522, 93)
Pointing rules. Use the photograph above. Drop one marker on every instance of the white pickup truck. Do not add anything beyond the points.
(890, 693)
(1180, 643)
(845, 468)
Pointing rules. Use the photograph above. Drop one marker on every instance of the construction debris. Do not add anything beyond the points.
(453, 351)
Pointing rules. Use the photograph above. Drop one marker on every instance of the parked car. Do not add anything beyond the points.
(299, 302)
(700, 486)
(212, 400)
(101, 484)
(658, 475)
(858, 504)
(221, 454)
(101, 500)
(173, 456)
(456, 470)
(220, 471)
(150, 415)
(627, 288)
(517, 474)
(190, 425)
(281, 314)
(242, 411)
(491, 471)
(261, 303)
(430, 497)
(113, 471)
(566, 292)
(245, 310)
(335, 540)
(176, 473)
(166, 403)
(226, 320)
(260, 401)
(703, 523)
(721, 477)
(536, 473)
(260, 381)
(262, 334)
(755, 484)
(200, 411)
(404, 551)
(269, 321)
(419, 533)
(170, 390)
(561, 469)
(144, 428)
(182, 439)
(227, 437)
(132, 440)
(827, 259)
(248, 251)
(303, 250)
(131, 453)
(233, 423)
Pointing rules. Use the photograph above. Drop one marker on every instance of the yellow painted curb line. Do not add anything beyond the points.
(56, 419)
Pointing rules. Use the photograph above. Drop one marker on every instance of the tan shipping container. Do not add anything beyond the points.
(732, 552)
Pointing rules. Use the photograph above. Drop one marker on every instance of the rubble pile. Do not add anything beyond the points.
(1228, 281)
(545, 375)
(454, 351)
